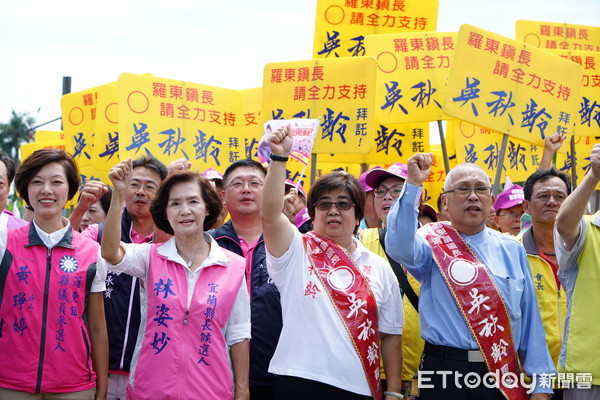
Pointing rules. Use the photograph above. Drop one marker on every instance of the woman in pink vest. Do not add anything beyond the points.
(53, 340)
(195, 305)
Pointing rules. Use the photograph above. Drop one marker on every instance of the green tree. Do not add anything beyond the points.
(15, 133)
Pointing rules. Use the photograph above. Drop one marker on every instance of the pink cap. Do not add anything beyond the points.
(212, 175)
(301, 217)
(398, 170)
(511, 197)
(428, 210)
(291, 184)
(363, 182)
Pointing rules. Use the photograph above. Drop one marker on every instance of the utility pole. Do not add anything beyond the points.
(66, 89)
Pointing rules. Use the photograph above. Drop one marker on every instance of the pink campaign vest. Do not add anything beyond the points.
(184, 353)
(45, 346)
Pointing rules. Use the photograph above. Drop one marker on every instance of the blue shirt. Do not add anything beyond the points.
(441, 320)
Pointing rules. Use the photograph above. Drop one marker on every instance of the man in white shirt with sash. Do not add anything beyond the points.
(479, 315)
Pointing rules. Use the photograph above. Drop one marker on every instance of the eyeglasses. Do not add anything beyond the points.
(512, 214)
(239, 185)
(325, 205)
(148, 187)
(395, 191)
(465, 191)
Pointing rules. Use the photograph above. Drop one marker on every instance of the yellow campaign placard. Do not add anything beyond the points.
(587, 122)
(398, 142)
(294, 171)
(253, 129)
(338, 91)
(512, 87)
(342, 159)
(583, 150)
(450, 141)
(434, 184)
(324, 168)
(78, 117)
(481, 146)
(27, 148)
(106, 138)
(48, 136)
(342, 25)
(392, 143)
(171, 119)
(558, 36)
(79, 112)
(412, 72)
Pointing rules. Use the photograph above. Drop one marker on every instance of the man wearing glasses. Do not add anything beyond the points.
(509, 210)
(479, 315)
(242, 194)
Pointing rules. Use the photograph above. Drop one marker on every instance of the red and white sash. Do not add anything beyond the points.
(480, 303)
(352, 298)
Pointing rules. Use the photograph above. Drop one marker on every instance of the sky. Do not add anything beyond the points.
(224, 43)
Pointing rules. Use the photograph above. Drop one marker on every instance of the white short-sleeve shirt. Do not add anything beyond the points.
(314, 343)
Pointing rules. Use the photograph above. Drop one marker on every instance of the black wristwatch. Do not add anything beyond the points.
(275, 157)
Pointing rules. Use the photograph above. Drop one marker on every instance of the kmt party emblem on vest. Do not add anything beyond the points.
(68, 264)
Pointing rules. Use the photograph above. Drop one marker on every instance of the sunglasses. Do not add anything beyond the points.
(325, 205)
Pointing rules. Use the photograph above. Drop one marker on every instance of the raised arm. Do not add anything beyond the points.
(552, 144)
(419, 167)
(91, 192)
(278, 231)
(181, 164)
(401, 242)
(571, 211)
(120, 175)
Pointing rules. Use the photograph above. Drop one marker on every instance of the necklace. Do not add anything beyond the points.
(190, 260)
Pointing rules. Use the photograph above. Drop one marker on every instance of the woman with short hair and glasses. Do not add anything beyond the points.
(341, 303)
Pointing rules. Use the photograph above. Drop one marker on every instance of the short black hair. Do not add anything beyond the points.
(240, 164)
(10, 167)
(39, 159)
(543, 175)
(153, 164)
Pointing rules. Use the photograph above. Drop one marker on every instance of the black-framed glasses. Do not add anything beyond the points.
(465, 191)
(325, 205)
(381, 191)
